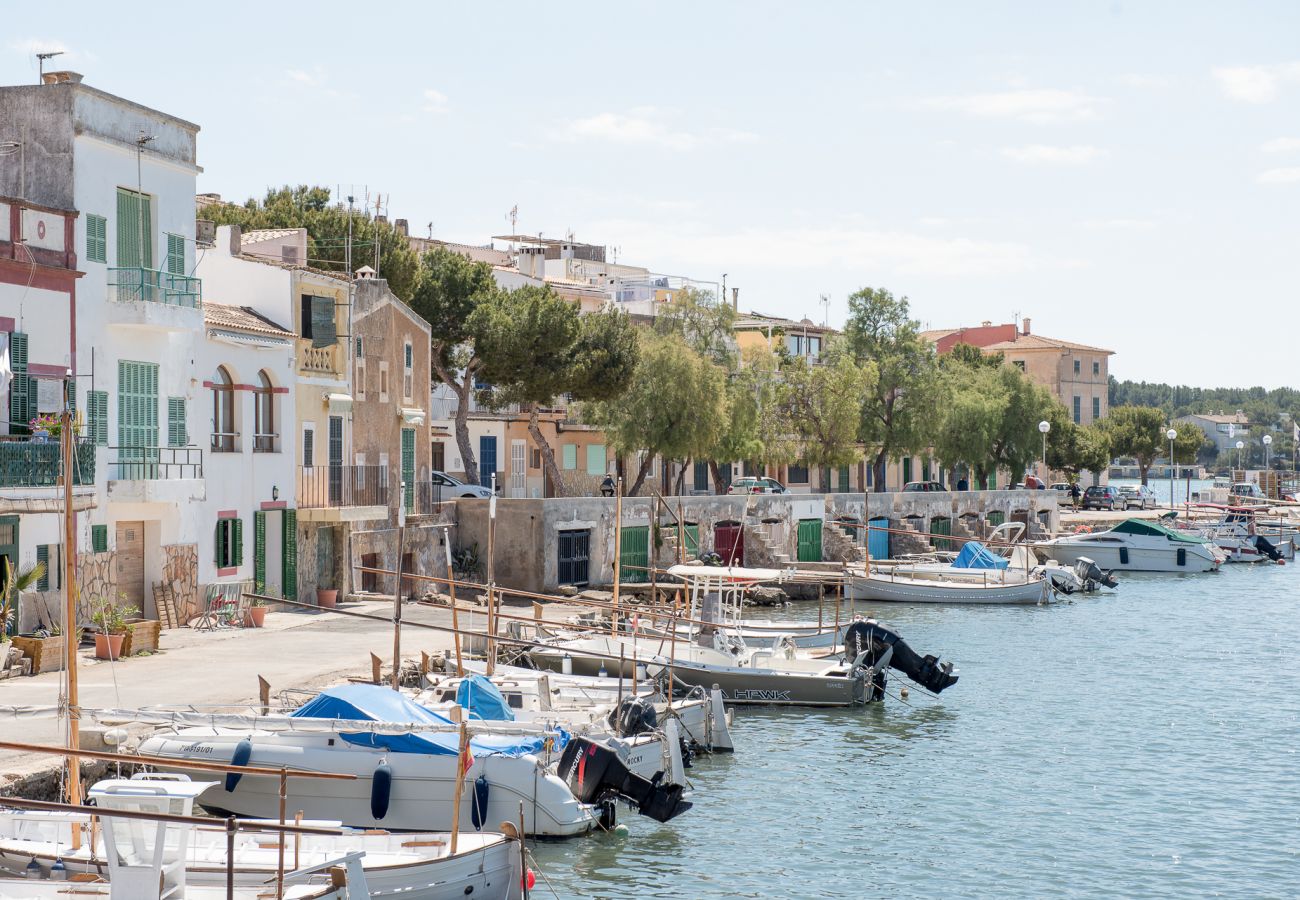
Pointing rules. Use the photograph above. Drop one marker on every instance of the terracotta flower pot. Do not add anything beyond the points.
(327, 598)
(254, 616)
(108, 646)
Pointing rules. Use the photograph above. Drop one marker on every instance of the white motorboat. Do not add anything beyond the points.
(1238, 533)
(406, 759)
(1137, 545)
(417, 866)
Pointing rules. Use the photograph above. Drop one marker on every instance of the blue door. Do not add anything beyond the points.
(878, 543)
(487, 459)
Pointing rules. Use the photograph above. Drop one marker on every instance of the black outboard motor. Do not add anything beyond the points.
(1088, 571)
(1266, 548)
(595, 773)
(633, 716)
(875, 640)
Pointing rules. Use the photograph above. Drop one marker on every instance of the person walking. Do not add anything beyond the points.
(1074, 495)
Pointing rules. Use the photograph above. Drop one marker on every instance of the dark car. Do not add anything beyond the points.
(1103, 497)
(922, 486)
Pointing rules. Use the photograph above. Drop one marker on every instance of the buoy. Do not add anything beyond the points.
(58, 871)
(529, 881)
(381, 790)
(603, 673)
(566, 665)
(479, 802)
(243, 753)
(621, 830)
(903, 693)
(33, 869)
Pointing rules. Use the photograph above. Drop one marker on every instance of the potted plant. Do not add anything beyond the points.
(111, 620)
(43, 647)
(327, 598)
(255, 615)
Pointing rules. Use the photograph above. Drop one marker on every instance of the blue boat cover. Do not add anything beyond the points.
(375, 703)
(480, 698)
(976, 556)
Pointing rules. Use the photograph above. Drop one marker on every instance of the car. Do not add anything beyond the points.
(454, 489)
(923, 486)
(1138, 495)
(1103, 497)
(756, 485)
(1062, 489)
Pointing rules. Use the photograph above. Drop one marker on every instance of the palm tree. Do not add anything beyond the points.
(12, 583)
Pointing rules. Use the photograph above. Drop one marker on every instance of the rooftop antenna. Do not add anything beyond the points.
(826, 310)
(145, 262)
(430, 231)
(42, 57)
(378, 200)
(513, 216)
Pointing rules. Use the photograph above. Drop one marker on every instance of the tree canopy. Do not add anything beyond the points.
(824, 406)
(1138, 432)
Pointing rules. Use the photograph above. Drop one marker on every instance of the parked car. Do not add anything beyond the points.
(1138, 495)
(1062, 489)
(1103, 497)
(451, 488)
(756, 485)
(923, 486)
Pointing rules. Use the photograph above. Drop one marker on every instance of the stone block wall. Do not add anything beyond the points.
(423, 542)
(181, 574)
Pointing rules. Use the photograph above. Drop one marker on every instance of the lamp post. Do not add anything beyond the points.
(1268, 442)
(1044, 427)
(1240, 446)
(1171, 434)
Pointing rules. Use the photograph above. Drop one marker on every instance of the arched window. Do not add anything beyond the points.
(223, 412)
(264, 415)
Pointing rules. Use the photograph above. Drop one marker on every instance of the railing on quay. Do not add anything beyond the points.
(138, 463)
(329, 486)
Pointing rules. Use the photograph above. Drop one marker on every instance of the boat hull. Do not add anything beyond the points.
(1139, 559)
(759, 687)
(915, 590)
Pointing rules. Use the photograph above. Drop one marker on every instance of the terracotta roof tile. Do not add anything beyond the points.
(241, 318)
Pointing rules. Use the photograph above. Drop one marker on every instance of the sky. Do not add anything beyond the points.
(1125, 174)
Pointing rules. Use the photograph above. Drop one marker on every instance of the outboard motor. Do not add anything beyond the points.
(873, 643)
(633, 716)
(1092, 575)
(595, 774)
(1266, 548)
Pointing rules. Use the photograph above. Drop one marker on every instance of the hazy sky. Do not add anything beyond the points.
(1127, 174)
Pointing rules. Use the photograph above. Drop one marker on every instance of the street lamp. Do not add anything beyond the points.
(1171, 434)
(1268, 440)
(1241, 445)
(1044, 427)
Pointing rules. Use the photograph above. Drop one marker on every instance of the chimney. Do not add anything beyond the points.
(735, 299)
(1025, 330)
(986, 324)
(381, 219)
(236, 240)
(64, 77)
(205, 232)
(403, 228)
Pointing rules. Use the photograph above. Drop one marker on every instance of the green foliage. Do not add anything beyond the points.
(1137, 432)
(448, 289)
(1075, 448)
(966, 356)
(327, 232)
(703, 323)
(16, 582)
(1190, 442)
(900, 407)
(823, 403)
(111, 617)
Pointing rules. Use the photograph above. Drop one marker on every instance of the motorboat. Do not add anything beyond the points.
(1237, 532)
(975, 576)
(407, 760)
(414, 866)
(715, 654)
(1137, 545)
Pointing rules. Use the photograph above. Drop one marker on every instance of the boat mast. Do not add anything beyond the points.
(70, 601)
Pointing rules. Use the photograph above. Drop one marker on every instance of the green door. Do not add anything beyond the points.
(408, 468)
(940, 525)
(907, 469)
(137, 419)
(810, 540)
(259, 552)
(844, 479)
(692, 534)
(134, 230)
(995, 518)
(289, 555)
(635, 549)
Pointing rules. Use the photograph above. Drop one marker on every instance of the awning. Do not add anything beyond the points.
(246, 339)
(411, 416)
(338, 402)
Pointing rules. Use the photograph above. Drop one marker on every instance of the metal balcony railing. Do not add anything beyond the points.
(134, 283)
(154, 463)
(322, 487)
(36, 463)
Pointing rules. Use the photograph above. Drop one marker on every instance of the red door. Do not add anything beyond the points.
(729, 543)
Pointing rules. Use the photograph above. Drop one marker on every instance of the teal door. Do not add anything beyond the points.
(809, 548)
(635, 551)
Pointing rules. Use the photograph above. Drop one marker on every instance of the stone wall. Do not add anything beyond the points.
(181, 574)
(98, 575)
(425, 544)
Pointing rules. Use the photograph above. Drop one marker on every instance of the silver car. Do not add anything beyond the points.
(450, 488)
(1138, 495)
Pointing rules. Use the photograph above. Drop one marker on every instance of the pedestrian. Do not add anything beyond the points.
(607, 486)
(1074, 495)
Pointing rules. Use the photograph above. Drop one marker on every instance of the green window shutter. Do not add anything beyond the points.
(323, 332)
(237, 542)
(175, 254)
(218, 544)
(96, 239)
(134, 230)
(570, 456)
(596, 459)
(43, 556)
(259, 552)
(289, 555)
(21, 391)
(408, 467)
(97, 417)
(99, 538)
(177, 434)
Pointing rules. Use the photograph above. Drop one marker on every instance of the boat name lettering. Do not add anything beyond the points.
(759, 694)
(196, 748)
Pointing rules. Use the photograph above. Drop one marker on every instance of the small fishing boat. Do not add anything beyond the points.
(975, 576)
(1137, 545)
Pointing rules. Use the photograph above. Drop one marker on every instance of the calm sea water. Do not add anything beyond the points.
(1137, 743)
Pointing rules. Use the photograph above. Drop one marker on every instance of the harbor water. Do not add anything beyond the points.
(1135, 743)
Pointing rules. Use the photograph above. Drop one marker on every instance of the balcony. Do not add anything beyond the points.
(31, 476)
(139, 474)
(154, 299)
(320, 360)
(342, 493)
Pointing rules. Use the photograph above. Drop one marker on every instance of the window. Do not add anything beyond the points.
(797, 474)
(569, 456)
(534, 458)
(1078, 402)
(360, 379)
(98, 538)
(358, 348)
(316, 321)
(408, 358)
(383, 381)
(223, 412)
(134, 229)
(701, 479)
(308, 444)
(1096, 408)
(596, 460)
(178, 434)
(229, 543)
(22, 390)
(97, 417)
(1096, 367)
(1077, 365)
(264, 415)
(439, 456)
(137, 406)
(1019, 364)
(175, 254)
(572, 551)
(52, 578)
(96, 239)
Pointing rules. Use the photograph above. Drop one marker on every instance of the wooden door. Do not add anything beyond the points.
(130, 562)
(729, 543)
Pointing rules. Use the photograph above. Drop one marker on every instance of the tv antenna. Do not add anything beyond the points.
(825, 301)
(42, 57)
